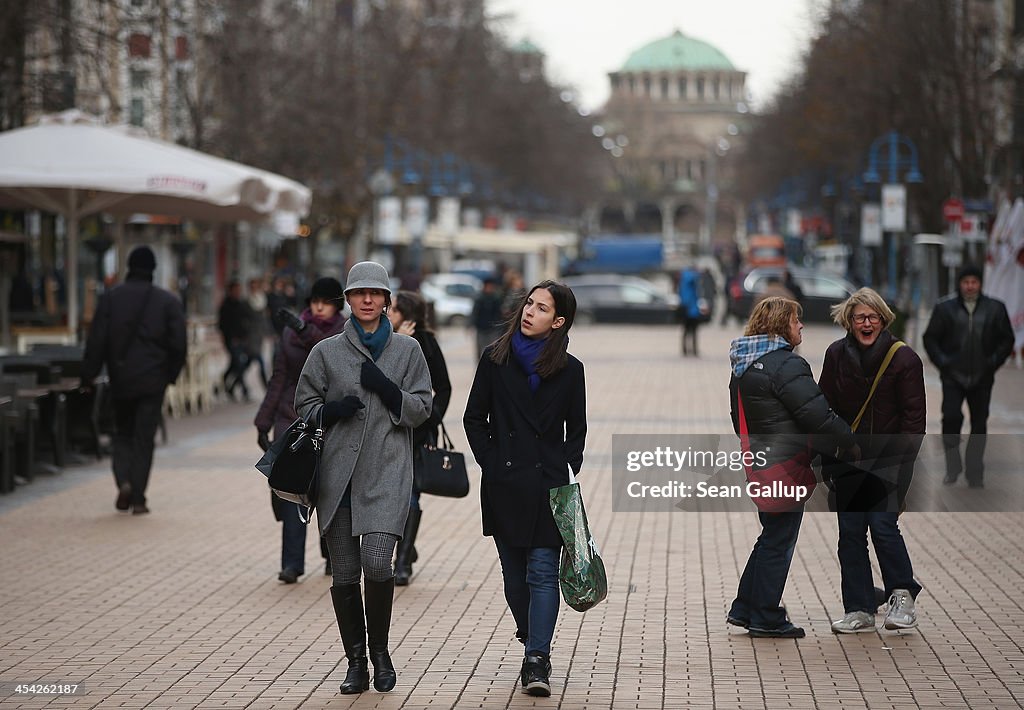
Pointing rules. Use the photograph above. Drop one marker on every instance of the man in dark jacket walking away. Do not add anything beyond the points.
(968, 338)
(138, 332)
(234, 321)
(487, 315)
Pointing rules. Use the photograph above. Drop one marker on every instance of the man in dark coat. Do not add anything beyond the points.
(968, 338)
(138, 332)
(487, 315)
(234, 320)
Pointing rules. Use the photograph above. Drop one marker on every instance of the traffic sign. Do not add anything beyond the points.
(953, 210)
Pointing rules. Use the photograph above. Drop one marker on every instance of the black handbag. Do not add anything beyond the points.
(292, 463)
(443, 470)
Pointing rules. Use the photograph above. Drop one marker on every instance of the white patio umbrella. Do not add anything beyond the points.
(70, 165)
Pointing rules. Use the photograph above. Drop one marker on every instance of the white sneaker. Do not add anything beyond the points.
(902, 614)
(855, 622)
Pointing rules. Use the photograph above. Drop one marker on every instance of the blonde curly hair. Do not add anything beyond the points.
(842, 313)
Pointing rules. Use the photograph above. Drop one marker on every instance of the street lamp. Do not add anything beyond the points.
(719, 150)
(385, 226)
(900, 153)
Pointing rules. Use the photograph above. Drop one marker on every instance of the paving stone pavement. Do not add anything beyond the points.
(182, 608)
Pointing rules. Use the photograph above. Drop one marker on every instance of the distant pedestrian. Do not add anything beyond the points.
(694, 309)
(138, 332)
(870, 493)
(373, 388)
(487, 317)
(526, 421)
(408, 316)
(968, 338)
(258, 328)
(782, 407)
(282, 295)
(792, 286)
(234, 320)
(514, 292)
(321, 319)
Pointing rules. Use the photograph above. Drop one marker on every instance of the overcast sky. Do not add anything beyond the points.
(586, 39)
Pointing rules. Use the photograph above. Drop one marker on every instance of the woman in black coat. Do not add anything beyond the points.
(783, 409)
(322, 319)
(408, 316)
(526, 422)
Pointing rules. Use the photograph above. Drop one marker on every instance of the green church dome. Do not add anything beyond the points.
(677, 51)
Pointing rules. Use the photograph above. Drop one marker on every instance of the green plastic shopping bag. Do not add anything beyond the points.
(581, 573)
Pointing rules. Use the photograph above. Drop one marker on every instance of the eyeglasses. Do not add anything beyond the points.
(872, 318)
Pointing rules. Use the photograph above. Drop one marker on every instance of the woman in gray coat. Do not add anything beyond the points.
(374, 388)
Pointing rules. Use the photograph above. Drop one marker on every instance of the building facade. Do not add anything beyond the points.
(673, 125)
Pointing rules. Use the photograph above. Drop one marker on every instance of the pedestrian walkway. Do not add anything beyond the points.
(182, 608)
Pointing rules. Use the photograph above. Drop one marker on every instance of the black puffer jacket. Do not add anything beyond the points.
(784, 408)
(966, 347)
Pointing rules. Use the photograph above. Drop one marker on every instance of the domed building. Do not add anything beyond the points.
(672, 125)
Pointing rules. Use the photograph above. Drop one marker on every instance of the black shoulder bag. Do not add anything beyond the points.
(292, 463)
(443, 469)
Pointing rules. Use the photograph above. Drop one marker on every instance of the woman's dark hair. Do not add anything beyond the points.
(553, 357)
(412, 307)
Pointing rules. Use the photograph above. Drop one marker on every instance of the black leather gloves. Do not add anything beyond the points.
(376, 381)
(341, 409)
(263, 439)
(291, 320)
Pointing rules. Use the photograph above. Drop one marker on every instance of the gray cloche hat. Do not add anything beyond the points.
(368, 274)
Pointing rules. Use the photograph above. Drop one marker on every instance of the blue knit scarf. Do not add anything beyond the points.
(376, 340)
(526, 351)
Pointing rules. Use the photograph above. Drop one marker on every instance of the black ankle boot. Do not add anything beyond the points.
(407, 548)
(348, 609)
(379, 598)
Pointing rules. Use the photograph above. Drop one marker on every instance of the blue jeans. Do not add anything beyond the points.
(531, 590)
(893, 559)
(293, 538)
(759, 595)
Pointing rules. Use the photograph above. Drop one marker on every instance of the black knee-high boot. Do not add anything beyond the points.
(404, 559)
(379, 597)
(348, 609)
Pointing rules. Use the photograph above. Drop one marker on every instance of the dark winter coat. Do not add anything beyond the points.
(891, 430)
(784, 408)
(277, 411)
(487, 312)
(525, 443)
(969, 348)
(140, 360)
(234, 320)
(439, 382)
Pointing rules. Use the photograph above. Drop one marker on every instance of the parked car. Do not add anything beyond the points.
(612, 298)
(820, 291)
(452, 296)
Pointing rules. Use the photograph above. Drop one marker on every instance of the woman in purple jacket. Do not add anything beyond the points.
(869, 489)
(322, 319)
